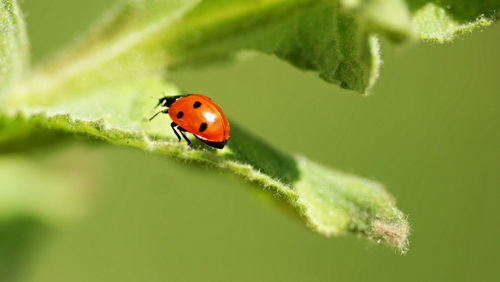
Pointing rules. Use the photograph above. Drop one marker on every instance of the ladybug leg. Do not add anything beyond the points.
(173, 125)
(165, 111)
(182, 130)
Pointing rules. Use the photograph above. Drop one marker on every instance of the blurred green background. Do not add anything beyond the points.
(430, 132)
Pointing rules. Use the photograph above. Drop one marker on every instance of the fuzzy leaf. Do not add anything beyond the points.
(13, 45)
(443, 20)
(109, 100)
(144, 38)
(101, 86)
(329, 201)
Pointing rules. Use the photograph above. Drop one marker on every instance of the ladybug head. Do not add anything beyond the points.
(167, 101)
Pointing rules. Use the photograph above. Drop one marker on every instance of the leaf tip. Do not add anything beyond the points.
(395, 234)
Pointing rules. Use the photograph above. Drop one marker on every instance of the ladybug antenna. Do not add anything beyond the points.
(151, 118)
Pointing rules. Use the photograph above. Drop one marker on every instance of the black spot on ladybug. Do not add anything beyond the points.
(203, 126)
(196, 104)
(180, 114)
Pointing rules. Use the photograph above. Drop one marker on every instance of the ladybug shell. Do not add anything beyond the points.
(203, 118)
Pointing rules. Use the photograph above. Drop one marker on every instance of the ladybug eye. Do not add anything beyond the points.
(180, 114)
(196, 104)
(203, 126)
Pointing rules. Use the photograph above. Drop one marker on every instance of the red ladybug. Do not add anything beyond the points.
(198, 115)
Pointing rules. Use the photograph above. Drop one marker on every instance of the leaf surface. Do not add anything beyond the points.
(13, 45)
(100, 87)
(444, 20)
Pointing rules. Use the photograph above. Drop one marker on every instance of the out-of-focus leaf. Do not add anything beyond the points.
(142, 39)
(41, 191)
(13, 45)
(19, 236)
(101, 87)
(55, 190)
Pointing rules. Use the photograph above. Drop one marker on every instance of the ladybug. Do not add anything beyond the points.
(198, 115)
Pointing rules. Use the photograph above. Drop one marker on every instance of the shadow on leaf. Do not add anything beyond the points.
(246, 148)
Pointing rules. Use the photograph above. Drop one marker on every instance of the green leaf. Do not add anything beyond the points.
(443, 20)
(329, 201)
(144, 38)
(18, 238)
(101, 86)
(13, 45)
(321, 36)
